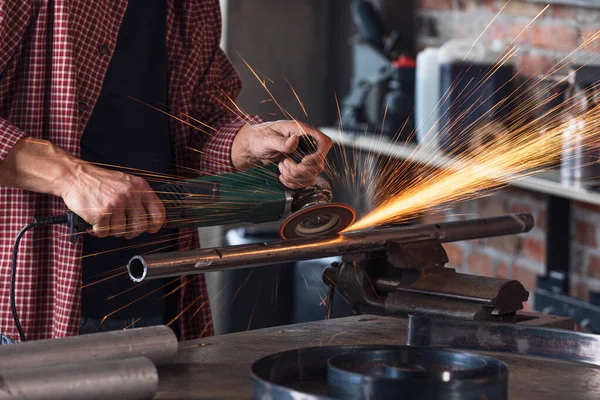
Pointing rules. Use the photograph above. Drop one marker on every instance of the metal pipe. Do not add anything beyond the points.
(130, 379)
(158, 343)
(162, 265)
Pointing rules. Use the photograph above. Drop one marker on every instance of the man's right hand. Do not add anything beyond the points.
(114, 203)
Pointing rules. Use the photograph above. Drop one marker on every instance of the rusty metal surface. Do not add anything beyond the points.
(219, 367)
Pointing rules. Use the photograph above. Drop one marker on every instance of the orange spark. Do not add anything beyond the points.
(520, 151)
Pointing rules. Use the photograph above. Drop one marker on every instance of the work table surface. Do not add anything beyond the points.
(219, 367)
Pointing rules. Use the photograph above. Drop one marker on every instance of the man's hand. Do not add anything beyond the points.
(269, 142)
(114, 203)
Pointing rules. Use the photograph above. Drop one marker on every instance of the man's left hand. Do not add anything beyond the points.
(271, 141)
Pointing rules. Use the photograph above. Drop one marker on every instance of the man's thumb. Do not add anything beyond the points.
(288, 145)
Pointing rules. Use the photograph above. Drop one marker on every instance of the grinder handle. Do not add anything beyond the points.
(76, 225)
(307, 145)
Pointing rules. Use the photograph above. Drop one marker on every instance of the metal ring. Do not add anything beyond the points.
(378, 372)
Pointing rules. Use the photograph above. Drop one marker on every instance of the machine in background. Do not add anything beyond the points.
(381, 97)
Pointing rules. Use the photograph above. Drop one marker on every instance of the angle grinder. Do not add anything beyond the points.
(253, 196)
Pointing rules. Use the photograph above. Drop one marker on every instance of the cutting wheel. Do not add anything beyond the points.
(322, 219)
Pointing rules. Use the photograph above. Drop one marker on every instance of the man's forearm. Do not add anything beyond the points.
(38, 166)
(114, 203)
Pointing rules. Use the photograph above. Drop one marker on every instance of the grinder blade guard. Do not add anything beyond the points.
(313, 213)
(317, 220)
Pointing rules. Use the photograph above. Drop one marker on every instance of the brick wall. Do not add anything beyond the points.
(555, 34)
(523, 257)
(552, 37)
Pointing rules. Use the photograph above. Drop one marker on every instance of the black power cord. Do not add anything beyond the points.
(55, 220)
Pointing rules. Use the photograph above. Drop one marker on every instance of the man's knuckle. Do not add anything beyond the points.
(105, 210)
(116, 202)
(123, 189)
(124, 197)
(140, 183)
(156, 216)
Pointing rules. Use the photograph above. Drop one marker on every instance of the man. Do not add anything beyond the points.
(68, 72)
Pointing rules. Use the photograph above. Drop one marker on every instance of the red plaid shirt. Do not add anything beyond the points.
(53, 57)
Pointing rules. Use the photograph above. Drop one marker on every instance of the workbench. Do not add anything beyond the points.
(219, 367)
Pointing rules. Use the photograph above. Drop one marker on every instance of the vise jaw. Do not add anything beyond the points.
(410, 278)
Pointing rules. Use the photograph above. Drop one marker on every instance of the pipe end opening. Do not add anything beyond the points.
(137, 269)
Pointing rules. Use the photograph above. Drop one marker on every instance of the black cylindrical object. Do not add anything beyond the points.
(399, 101)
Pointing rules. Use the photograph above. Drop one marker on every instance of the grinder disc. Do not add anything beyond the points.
(322, 219)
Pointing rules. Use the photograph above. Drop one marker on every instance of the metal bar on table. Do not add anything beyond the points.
(504, 337)
(155, 266)
(158, 343)
(129, 379)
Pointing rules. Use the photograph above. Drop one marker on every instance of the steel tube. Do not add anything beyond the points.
(155, 266)
(158, 343)
(130, 379)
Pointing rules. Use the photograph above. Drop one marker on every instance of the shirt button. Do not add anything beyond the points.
(83, 106)
(103, 49)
